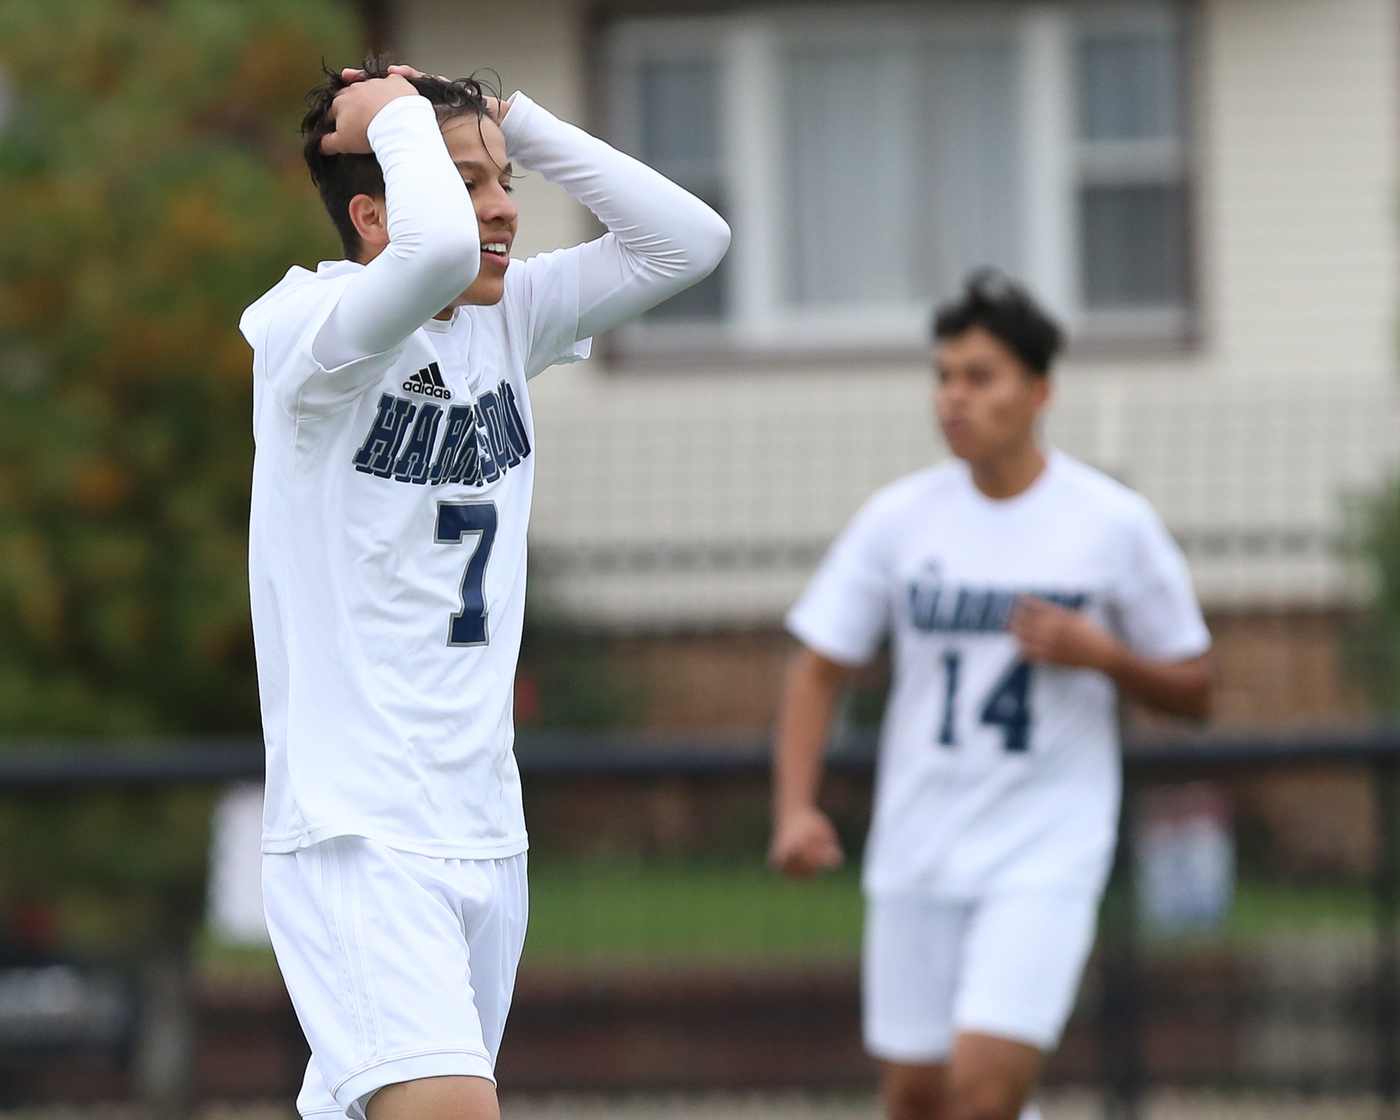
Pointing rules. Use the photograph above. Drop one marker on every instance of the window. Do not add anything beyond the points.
(677, 101)
(869, 158)
(1132, 202)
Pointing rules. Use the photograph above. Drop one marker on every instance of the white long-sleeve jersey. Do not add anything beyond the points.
(393, 476)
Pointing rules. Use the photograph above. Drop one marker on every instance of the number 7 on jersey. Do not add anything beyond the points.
(454, 521)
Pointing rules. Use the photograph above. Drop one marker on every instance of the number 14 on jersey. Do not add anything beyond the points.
(1007, 706)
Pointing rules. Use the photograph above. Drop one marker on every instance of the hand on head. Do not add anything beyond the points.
(355, 106)
(496, 109)
(350, 74)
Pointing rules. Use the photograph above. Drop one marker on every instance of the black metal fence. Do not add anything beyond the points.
(1213, 755)
(1132, 990)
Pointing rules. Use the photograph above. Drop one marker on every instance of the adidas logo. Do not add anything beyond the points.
(428, 382)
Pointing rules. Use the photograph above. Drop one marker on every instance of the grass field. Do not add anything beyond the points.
(659, 912)
(1265, 908)
(671, 912)
(662, 914)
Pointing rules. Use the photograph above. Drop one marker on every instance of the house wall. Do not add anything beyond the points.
(1299, 126)
(700, 495)
(1282, 667)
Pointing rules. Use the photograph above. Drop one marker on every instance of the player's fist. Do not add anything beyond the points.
(355, 106)
(1052, 635)
(804, 843)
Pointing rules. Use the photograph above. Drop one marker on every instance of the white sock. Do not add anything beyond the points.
(1031, 1111)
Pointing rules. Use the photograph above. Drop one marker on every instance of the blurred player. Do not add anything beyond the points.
(1021, 590)
(391, 492)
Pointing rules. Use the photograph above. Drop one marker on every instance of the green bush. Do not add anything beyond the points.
(151, 186)
(1373, 649)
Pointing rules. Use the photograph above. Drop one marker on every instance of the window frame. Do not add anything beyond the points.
(1164, 161)
(747, 44)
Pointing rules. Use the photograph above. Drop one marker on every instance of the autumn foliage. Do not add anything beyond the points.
(150, 188)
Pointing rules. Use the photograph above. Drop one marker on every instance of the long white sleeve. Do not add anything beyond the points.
(661, 239)
(434, 250)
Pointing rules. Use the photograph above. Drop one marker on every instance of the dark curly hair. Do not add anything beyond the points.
(340, 178)
(1006, 311)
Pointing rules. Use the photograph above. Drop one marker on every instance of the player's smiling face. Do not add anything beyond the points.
(478, 148)
(986, 399)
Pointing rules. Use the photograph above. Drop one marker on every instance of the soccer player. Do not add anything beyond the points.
(391, 491)
(1022, 592)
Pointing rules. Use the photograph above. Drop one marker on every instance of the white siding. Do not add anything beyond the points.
(703, 496)
(534, 45)
(1299, 169)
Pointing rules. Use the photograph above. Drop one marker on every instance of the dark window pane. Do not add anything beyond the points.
(677, 102)
(823, 120)
(702, 302)
(944, 194)
(1127, 86)
(1134, 240)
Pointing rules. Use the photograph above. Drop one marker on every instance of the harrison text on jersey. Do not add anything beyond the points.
(479, 442)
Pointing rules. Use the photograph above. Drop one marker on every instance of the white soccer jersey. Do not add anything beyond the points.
(994, 774)
(391, 494)
(387, 561)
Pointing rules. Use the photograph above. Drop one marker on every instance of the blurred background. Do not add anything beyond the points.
(1204, 191)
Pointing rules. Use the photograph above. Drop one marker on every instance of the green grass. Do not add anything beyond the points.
(657, 913)
(233, 964)
(1272, 908)
(1265, 910)
(660, 914)
(672, 913)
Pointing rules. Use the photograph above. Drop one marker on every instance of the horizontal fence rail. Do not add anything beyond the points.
(1147, 755)
(563, 754)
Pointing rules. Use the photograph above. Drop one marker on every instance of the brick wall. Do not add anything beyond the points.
(1270, 668)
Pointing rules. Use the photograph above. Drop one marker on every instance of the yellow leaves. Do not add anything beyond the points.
(144, 349)
(196, 223)
(159, 192)
(99, 486)
(122, 623)
(33, 300)
(40, 610)
(109, 562)
(214, 640)
(11, 488)
(270, 79)
(27, 578)
(134, 349)
(232, 359)
(93, 36)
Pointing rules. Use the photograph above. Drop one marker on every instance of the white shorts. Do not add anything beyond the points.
(1008, 967)
(400, 966)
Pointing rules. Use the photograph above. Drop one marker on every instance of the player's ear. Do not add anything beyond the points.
(1043, 389)
(371, 219)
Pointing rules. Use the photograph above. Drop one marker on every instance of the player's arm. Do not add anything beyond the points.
(1053, 635)
(661, 239)
(433, 251)
(804, 839)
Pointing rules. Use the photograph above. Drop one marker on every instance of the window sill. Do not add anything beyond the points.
(620, 358)
(625, 356)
